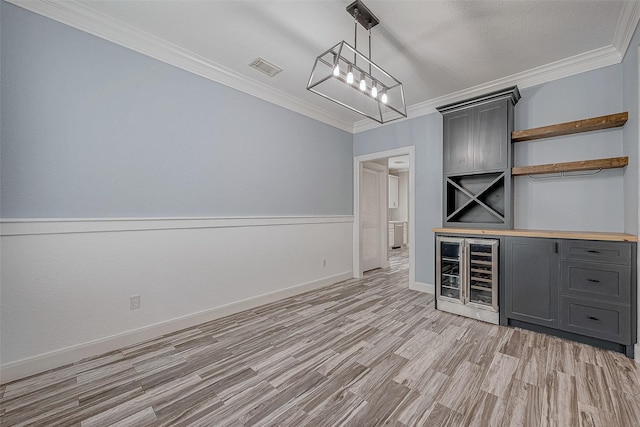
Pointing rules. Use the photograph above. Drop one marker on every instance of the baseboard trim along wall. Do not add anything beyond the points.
(54, 359)
(636, 352)
(423, 287)
(66, 284)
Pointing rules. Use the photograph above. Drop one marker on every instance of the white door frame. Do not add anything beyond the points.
(357, 164)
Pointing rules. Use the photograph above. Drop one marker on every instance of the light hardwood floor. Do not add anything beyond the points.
(360, 353)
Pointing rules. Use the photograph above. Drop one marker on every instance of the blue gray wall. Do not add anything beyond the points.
(593, 203)
(92, 129)
(425, 133)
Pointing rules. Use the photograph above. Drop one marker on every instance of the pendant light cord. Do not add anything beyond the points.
(355, 33)
(370, 49)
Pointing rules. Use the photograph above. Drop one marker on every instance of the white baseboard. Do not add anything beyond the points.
(34, 365)
(636, 352)
(423, 287)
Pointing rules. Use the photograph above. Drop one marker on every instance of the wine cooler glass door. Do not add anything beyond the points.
(450, 268)
(483, 273)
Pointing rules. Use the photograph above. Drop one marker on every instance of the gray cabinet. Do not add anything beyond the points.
(476, 139)
(531, 278)
(581, 287)
(596, 319)
(458, 142)
(491, 137)
(477, 160)
(597, 292)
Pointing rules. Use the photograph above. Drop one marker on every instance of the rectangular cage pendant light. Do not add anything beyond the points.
(349, 78)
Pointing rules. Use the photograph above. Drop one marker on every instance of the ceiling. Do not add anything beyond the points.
(441, 51)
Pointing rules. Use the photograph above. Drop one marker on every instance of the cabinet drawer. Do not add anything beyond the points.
(589, 250)
(596, 319)
(608, 282)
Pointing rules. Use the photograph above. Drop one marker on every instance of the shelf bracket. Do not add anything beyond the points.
(564, 174)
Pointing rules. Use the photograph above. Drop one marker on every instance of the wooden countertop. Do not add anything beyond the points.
(580, 235)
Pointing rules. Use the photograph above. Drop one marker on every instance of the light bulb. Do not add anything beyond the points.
(374, 91)
(350, 77)
(336, 70)
(384, 98)
(363, 83)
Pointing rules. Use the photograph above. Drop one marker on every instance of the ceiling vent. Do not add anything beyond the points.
(265, 66)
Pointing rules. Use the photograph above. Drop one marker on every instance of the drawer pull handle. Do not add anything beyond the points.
(593, 280)
(591, 251)
(593, 318)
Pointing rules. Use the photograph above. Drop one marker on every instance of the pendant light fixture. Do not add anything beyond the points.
(375, 94)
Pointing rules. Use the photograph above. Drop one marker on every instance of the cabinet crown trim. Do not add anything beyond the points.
(511, 92)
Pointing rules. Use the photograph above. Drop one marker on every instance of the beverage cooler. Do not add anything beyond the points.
(467, 277)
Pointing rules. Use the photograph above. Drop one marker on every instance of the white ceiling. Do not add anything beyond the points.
(440, 50)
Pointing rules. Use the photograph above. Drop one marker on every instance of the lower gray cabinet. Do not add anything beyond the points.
(531, 278)
(596, 319)
(581, 288)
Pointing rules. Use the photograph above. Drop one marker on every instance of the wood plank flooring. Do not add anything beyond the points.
(360, 353)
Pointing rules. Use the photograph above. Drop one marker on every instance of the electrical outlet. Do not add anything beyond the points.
(324, 263)
(134, 302)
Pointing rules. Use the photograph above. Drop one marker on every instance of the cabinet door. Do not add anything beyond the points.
(490, 139)
(450, 273)
(531, 280)
(393, 191)
(596, 319)
(458, 142)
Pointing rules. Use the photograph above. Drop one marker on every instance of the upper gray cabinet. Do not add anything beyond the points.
(491, 137)
(477, 160)
(477, 133)
(458, 148)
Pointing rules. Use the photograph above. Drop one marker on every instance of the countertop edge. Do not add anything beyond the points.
(579, 235)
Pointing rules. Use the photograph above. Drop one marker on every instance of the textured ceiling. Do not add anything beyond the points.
(435, 48)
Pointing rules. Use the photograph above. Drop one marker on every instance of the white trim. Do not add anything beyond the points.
(627, 23)
(19, 227)
(357, 164)
(577, 64)
(423, 287)
(33, 365)
(636, 352)
(84, 18)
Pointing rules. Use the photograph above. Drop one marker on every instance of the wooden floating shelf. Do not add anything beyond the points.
(586, 125)
(583, 165)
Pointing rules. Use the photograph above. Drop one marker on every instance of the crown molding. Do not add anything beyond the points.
(84, 18)
(627, 23)
(577, 64)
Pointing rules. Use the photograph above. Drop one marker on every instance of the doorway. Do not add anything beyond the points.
(365, 229)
